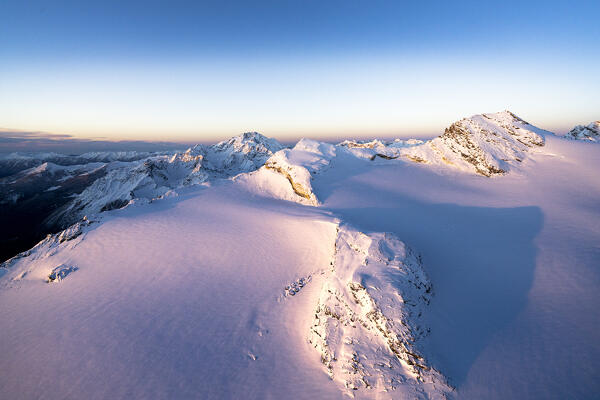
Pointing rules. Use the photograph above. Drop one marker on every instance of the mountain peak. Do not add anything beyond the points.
(253, 136)
(486, 143)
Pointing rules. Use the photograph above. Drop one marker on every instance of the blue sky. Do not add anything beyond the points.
(209, 70)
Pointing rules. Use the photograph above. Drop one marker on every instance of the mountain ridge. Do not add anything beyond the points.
(490, 144)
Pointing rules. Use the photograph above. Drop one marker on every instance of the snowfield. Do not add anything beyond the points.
(462, 267)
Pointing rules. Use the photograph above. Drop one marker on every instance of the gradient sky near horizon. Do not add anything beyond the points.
(202, 70)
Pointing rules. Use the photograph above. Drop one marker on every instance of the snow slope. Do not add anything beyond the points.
(46, 192)
(162, 300)
(165, 303)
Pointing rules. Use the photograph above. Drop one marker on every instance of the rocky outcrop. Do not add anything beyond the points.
(288, 174)
(367, 324)
(61, 272)
(51, 244)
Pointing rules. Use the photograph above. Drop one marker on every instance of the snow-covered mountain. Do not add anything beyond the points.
(51, 191)
(366, 310)
(590, 132)
(488, 144)
(45, 177)
(366, 269)
(243, 153)
(156, 176)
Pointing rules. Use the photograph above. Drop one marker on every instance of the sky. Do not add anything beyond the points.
(208, 70)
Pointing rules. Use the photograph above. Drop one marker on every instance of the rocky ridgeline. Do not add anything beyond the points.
(487, 144)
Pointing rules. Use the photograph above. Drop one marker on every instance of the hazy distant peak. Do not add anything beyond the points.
(590, 132)
(247, 141)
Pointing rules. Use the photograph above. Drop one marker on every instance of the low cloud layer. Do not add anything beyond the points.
(21, 141)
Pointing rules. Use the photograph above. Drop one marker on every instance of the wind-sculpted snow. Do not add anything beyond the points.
(488, 144)
(367, 324)
(288, 173)
(590, 133)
